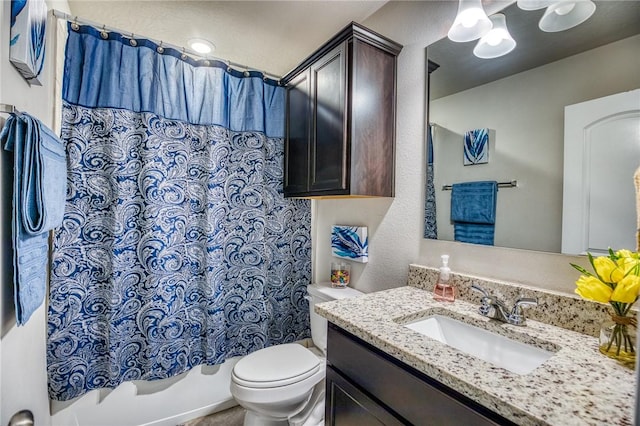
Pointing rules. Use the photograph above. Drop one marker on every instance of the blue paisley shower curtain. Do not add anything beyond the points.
(177, 247)
(430, 224)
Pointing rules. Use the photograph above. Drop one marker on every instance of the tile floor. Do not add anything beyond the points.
(231, 417)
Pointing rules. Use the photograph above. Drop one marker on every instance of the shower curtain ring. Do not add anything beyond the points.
(229, 69)
(184, 55)
(132, 41)
(104, 34)
(160, 49)
(246, 72)
(74, 24)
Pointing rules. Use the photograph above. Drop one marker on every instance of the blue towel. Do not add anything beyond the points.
(39, 187)
(473, 211)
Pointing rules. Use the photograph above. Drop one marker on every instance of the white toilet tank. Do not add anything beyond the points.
(323, 292)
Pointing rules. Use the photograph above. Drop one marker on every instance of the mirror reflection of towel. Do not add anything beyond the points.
(473, 211)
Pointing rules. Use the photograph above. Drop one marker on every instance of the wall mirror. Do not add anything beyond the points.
(521, 98)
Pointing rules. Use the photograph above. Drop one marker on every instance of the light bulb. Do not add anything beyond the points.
(497, 42)
(564, 9)
(493, 38)
(564, 14)
(469, 18)
(471, 22)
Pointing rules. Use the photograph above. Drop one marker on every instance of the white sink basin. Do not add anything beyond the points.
(500, 351)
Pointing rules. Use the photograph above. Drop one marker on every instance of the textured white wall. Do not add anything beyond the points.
(526, 111)
(23, 375)
(396, 224)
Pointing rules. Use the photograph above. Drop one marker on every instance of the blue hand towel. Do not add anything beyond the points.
(39, 187)
(473, 211)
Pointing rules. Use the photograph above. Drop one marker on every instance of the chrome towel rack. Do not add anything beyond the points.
(510, 184)
(8, 109)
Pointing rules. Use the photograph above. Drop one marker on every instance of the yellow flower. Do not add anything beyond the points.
(593, 289)
(626, 264)
(607, 269)
(628, 253)
(626, 290)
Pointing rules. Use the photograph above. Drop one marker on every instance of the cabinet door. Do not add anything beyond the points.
(413, 396)
(329, 154)
(297, 143)
(348, 406)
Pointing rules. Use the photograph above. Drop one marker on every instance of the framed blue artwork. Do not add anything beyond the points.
(28, 36)
(350, 242)
(476, 147)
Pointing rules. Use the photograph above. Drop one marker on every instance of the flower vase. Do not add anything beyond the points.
(618, 339)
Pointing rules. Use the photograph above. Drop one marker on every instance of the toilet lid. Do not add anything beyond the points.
(276, 366)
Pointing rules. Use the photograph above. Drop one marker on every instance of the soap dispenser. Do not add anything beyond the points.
(444, 290)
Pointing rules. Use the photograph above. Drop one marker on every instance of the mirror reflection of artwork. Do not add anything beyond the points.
(27, 43)
(476, 147)
(350, 242)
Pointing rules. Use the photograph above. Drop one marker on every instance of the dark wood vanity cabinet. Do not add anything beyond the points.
(340, 126)
(367, 386)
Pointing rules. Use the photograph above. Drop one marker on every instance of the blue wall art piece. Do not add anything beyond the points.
(476, 147)
(350, 242)
(27, 41)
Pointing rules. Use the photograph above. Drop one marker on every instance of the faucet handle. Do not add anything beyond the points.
(485, 300)
(517, 314)
(526, 301)
(480, 290)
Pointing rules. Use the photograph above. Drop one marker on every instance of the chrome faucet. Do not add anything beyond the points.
(492, 307)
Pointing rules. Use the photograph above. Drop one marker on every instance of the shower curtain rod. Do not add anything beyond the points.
(74, 19)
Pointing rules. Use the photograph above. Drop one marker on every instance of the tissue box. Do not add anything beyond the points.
(28, 35)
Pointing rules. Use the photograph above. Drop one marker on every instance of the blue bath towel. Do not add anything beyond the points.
(39, 191)
(473, 211)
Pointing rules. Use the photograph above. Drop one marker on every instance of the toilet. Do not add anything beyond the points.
(284, 384)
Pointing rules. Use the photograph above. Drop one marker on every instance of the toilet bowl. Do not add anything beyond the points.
(284, 384)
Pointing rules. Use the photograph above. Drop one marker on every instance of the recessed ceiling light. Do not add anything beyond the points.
(201, 45)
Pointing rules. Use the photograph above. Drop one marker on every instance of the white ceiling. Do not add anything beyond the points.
(271, 36)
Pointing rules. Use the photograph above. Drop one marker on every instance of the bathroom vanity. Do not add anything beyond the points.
(381, 372)
(367, 386)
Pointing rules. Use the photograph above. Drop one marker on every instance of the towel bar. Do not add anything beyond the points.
(7, 109)
(510, 184)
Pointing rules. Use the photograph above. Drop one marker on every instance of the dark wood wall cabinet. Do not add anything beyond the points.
(340, 127)
(367, 386)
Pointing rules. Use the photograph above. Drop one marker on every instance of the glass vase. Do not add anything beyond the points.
(618, 339)
(340, 274)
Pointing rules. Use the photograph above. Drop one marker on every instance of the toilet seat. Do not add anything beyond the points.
(276, 366)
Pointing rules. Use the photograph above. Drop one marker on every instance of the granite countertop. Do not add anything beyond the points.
(576, 386)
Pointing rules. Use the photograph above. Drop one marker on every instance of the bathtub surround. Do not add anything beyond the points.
(177, 247)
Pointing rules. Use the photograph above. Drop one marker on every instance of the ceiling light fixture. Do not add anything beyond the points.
(471, 22)
(497, 42)
(201, 45)
(534, 4)
(563, 15)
